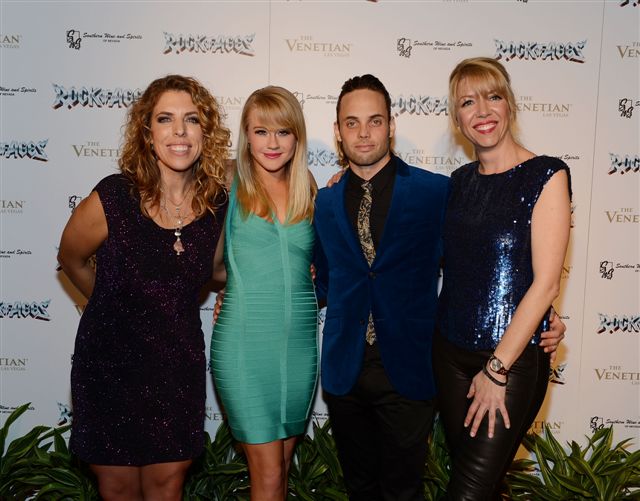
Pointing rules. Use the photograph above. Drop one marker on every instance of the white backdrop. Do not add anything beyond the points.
(69, 69)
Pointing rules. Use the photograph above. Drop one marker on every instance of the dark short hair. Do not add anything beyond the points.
(369, 82)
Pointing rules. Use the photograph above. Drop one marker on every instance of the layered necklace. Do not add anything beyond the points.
(179, 218)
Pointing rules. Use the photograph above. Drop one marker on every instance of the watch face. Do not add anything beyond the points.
(495, 365)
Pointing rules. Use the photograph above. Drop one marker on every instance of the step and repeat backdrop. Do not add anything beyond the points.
(69, 70)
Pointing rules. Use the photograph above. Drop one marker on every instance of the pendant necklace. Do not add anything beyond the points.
(177, 245)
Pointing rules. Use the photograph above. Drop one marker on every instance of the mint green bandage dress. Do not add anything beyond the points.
(264, 348)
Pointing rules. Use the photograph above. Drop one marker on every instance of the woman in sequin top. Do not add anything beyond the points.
(506, 234)
(138, 376)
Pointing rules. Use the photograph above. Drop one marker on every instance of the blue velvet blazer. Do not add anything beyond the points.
(400, 286)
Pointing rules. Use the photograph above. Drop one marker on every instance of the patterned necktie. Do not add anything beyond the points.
(366, 242)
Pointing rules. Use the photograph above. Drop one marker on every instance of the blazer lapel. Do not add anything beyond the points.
(398, 202)
(342, 220)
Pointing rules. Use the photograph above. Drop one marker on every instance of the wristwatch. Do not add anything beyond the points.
(496, 366)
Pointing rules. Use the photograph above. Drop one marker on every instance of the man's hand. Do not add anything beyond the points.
(552, 338)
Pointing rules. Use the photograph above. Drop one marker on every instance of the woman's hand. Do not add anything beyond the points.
(218, 306)
(488, 397)
(336, 177)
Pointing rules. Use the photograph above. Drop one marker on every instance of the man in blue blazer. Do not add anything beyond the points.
(379, 391)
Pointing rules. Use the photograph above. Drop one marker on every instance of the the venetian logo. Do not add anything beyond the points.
(624, 215)
(629, 51)
(307, 44)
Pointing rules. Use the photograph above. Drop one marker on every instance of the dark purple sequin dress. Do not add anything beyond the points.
(138, 376)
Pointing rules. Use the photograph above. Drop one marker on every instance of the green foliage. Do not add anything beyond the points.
(220, 473)
(438, 466)
(599, 471)
(38, 465)
(29, 467)
(315, 473)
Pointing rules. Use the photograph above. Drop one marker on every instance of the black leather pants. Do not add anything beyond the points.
(479, 463)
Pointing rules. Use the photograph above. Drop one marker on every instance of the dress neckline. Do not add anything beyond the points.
(512, 169)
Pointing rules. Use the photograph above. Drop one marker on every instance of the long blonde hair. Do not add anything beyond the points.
(139, 164)
(275, 106)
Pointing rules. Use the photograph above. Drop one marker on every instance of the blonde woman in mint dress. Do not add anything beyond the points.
(264, 344)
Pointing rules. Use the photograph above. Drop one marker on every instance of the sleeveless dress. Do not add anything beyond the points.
(487, 250)
(264, 346)
(139, 370)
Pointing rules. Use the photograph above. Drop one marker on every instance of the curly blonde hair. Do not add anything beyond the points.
(138, 162)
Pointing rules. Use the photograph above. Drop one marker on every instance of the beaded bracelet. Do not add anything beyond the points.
(491, 378)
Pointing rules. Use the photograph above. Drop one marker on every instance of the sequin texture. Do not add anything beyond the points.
(487, 250)
(138, 376)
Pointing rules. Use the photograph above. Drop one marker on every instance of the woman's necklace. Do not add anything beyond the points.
(177, 245)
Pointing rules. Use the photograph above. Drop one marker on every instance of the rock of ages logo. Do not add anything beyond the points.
(93, 97)
(37, 310)
(544, 51)
(33, 150)
(66, 414)
(629, 324)
(419, 105)
(208, 44)
(623, 164)
(556, 374)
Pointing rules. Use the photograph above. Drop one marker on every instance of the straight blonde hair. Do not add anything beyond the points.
(275, 106)
(487, 75)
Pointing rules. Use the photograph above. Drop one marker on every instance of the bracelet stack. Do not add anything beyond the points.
(491, 378)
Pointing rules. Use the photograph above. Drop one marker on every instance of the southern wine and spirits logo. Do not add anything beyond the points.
(598, 422)
(76, 39)
(179, 43)
(406, 46)
(608, 268)
(540, 51)
(16, 90)
(626, 105)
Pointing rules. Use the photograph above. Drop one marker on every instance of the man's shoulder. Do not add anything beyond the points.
(425, 176)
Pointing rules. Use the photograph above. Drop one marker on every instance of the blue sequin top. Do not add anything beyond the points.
(487, 250)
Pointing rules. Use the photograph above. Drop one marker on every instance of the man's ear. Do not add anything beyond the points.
(336, 132)
(392, 127)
